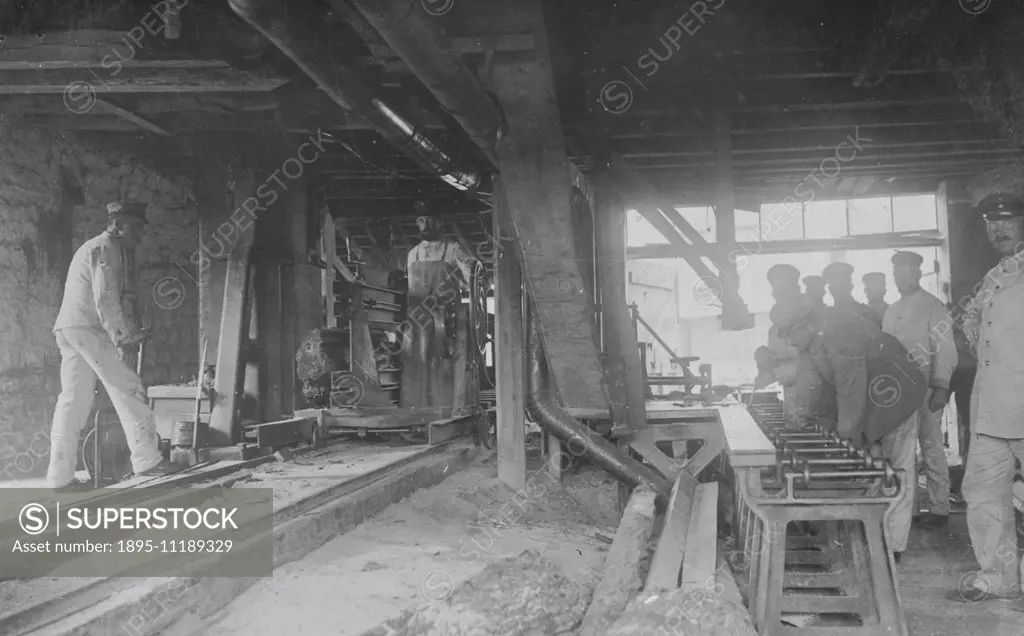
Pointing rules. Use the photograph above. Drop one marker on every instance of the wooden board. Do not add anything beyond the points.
(701, 552)
(284, 432)
(745, 443)
(375, 417)
(510, 379)
(668, 555)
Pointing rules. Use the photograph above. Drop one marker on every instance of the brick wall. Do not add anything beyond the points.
(37, 238)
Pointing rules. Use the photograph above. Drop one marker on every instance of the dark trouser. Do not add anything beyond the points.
(961, 385)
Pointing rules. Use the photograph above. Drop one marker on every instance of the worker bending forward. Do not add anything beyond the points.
(994, 325)
(90, 327)
(921, 323)
(875, 385)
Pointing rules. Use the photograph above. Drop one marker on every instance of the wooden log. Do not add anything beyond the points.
(621, 579)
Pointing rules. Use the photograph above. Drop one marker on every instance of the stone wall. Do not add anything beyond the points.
(38, 235)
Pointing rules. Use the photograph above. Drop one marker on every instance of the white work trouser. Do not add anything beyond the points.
(990, 513)
(900, 448)
(85, 355)
(933, 453)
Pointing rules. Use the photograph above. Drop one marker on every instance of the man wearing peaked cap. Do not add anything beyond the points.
(852, 356)
(991, 324)
(921, 323)
(90, 328)
(778, 361)
(839, 277)
(874, 291)
(814, 289)
(784, 280)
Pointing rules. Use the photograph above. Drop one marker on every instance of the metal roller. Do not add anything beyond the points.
(886, 473)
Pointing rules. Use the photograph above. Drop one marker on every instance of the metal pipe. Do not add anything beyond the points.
(345, 86)
(405, 26)
(545, 410)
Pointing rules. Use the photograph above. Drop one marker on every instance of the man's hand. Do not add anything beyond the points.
(133, 339)
(938, 399)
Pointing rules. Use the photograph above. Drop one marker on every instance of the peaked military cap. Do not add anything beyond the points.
(912, 259)
(837, 271)
(1001, 206)
(790, 312)
(783, 273)
(814, 281)
(876, 278)
(117, 209)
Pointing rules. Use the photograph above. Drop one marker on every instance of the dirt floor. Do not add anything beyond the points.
(934, 564)
(421, 548)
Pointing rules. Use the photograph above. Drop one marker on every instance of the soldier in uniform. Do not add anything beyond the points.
(874, 291)
(777, 361)
(993, 326)
(814, 289)
(921, 323)
(839, 277)
(875, 385)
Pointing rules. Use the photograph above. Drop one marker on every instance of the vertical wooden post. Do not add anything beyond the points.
(725, 203)
(509, 352)
(234, 328)
(622, 355)
(328, 252)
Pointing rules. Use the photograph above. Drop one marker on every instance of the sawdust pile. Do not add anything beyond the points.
(588, 499)
(521, 595)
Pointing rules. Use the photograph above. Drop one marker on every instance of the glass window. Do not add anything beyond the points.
(780, 222)
(640, 232)
(825, 219)
(914, 212)
(702, 219)
(870, 216)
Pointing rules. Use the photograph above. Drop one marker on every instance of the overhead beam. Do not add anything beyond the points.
(349, 89)
(131, 117)
(415, 36)
(76, 84)
(900, 240)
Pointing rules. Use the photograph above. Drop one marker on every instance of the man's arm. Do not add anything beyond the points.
(107, 283)
(465, 261)
(942, 346)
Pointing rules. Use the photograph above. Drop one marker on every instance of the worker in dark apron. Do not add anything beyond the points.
(439, 269)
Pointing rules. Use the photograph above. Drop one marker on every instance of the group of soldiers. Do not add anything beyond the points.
(880, 376)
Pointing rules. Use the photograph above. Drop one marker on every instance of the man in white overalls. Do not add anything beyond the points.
(90, 328)
(438, 268)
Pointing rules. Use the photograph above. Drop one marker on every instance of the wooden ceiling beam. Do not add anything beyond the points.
(79, 85)
(131, 117)
(779, 152)
(901, 240)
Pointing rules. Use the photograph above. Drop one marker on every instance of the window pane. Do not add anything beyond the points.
(870, 216)
(915, 212)
(702, 219)
(640, 232)
(825, 219)
(780, 222)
